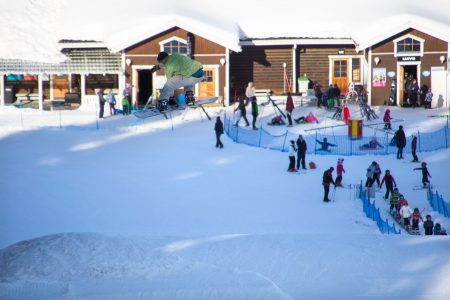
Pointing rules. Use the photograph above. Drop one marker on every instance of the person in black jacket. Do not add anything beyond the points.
(428, 226)
(400, 139)
(326, 181)
(337, 95)
(101, 102)
(425, 174)
(301, 152)
(390, 183)
(243, 111)
(218, 128)
(254, 112)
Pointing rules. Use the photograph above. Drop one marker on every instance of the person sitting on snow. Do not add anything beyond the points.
(372, 145)
(308, 119)
(324, 145)
(278, 120)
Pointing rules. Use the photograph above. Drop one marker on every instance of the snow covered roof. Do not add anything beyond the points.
(31, 29)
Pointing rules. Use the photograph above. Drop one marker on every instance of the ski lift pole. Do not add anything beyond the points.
(315, 145)
(171, 119)
(60, 106)
(284, 142)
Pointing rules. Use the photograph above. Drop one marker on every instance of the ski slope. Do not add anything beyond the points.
(135, 210)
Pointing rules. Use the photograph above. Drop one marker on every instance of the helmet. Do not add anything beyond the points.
(396, 190)
(387, 171)
(331, 169)
(424, 163)
(401, 196)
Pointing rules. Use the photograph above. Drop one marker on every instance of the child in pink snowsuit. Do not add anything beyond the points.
(339, 171)
(387, 119)
(311, 118)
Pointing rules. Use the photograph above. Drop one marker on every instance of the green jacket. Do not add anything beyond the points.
(180, 65)
(125, 102)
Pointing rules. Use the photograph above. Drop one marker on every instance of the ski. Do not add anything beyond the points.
(398, 219)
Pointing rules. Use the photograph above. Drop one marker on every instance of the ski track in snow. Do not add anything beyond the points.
(183, 220)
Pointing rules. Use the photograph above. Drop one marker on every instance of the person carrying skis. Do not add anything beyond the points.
(416, 216)
(400, 140)
(428, 225)
(292, 151)
(394, 201)
(289, 108)
(324, 145)
(425, 174)
(387, 119)
(390, 183)
(243, 112)
(181, 71)
(413, 148)
(406, 212)
(301, 152)
(327, 179)
(339, 171)
(218, 128)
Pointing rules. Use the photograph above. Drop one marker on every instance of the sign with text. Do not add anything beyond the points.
(408, 58)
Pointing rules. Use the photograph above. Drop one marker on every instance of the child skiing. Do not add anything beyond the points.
(425, 174)
(428, 225)
(394, 201)
(416, 216)
(406, 212)
(327, 179)
(438, 230)
(413, 148)
(292, 151)
(390, 183)
(339, 170)
(387, 119)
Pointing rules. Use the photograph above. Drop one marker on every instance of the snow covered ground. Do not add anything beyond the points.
(135, 210)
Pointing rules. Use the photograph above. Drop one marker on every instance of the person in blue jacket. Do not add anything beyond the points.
(324, 145)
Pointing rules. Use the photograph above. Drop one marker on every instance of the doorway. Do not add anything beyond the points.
(340, 74)
(145, 86)
(405, 75)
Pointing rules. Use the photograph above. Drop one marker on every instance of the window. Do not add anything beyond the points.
(340, 68)
(208, 76)
(408, 45)
(356, 70)
(175, 46)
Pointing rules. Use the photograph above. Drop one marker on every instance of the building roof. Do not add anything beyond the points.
(79, 61)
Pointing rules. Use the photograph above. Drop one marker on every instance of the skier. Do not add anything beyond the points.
(415, 220)
(372, 145)
(414, 147)
(438, 230)
(339, 170)
(394, 201)
(292, 151)
(346, 114)
(326, 180)
(289, 108)
(181, 71)
(301, 152)
(425, 174)
(400, 139)
(376, 173)
(406, 212)
(428, 225)
(390, 183)
(218, 128)
(387, 119)
(324, 145)
(243, 113)
(255, 112)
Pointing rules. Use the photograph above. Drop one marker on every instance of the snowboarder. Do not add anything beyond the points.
(255, 112)
(425, 174)
(326, 181)
(243, 113)
(289, 108)
(413, 148)
(339, 170)
(292, 151)
(416, 216)
(101, 103)
(390, 183)
(406, 212)
(324, 145)
(400, 139)
(428, 225)
(301, 152)
(218, 128)
(387, 119)
(181, 71)
(394, 201)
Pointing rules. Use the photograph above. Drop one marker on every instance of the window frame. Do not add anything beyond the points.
(171, 39)
(411, 53)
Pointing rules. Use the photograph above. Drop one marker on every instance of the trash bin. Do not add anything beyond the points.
(181, 101)
(355, 128)
(9, 93)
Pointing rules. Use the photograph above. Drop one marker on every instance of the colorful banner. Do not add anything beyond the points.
(379, 77)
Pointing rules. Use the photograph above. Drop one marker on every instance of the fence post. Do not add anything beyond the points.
(387, 144)
(420, 141)
(284, 142)
(315, 145)
(351, 147)
(237, 133)
(260, 136)
(446, 142)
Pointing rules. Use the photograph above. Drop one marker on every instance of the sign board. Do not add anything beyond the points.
(341, 51)
(408, 58)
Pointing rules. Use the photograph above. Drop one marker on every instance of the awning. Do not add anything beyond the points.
(80, 61)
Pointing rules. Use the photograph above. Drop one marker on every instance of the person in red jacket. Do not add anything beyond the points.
(339, 171)
(390, 183)
(413, 148)
(289, 108)
(387, 119)
(326, 181)
(415, 219)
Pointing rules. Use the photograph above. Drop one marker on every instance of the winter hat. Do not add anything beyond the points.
(424, 163)
(340, 160)
(400, 127)
(292, 142)
(161, 56)
(331, 169)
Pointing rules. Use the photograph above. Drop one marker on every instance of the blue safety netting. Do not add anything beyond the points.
(438, 204)
(380, 144)
(373, 213)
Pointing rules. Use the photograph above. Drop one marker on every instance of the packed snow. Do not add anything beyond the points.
(138, 210)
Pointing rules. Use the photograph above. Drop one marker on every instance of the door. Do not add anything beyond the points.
(340, 74)
(60, 86)
(207, 88)
(438, 86)
(145, 86)
(401, 85)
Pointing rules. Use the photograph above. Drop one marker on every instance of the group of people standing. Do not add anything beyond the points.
(110, 98)
(250, 98)
(331, 97)
(297, 148)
